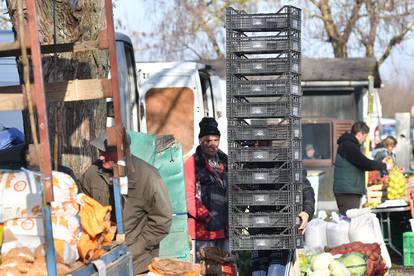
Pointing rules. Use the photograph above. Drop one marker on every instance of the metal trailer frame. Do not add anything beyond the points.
(13, 98)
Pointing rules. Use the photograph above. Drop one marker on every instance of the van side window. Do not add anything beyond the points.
(207, 93)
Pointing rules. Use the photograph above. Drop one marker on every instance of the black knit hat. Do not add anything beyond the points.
(208, 126)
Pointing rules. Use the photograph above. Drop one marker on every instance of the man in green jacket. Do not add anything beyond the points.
(350, 166)
(147, 211)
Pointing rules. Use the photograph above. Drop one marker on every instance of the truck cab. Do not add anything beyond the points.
(175, 96)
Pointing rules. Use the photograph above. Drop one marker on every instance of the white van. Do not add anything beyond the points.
(175, 96)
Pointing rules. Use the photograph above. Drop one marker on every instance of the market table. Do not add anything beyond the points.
(384, 217)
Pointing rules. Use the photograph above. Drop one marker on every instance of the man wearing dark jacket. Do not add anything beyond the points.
(350, 165)
(206, 186)
(147, 211)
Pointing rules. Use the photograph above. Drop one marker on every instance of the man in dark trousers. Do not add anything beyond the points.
(206, 186)
(147, 211)
(350, 166)
(260, 260)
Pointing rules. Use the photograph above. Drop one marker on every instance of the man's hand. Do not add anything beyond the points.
(388, 161)
(304, 217)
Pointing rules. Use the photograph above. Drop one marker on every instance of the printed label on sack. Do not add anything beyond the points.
(28, 224)
(20, 186)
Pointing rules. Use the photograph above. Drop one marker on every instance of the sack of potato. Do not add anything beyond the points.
(20, 195)
(22, 261)
(30, 233)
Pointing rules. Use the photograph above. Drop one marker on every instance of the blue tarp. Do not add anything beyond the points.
(10, 137)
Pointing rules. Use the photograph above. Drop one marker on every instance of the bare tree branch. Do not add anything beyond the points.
(196, 12)
(352, 20)
(373, 19)
(193, 50)
(395, 40)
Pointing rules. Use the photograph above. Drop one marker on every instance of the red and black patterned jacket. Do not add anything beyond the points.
(206, 189)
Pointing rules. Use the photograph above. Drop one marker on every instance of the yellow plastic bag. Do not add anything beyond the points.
(1, 233)
(94, 216)
(97, 229)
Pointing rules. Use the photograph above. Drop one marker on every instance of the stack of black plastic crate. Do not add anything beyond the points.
(264, 130)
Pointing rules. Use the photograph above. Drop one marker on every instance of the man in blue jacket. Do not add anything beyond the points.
(350, 166)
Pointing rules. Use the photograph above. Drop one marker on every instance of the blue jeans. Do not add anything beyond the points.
(272, 262)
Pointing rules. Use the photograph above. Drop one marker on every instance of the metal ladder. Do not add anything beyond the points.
(14, 98)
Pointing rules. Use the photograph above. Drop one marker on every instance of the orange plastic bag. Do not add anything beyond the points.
(94, 216)
(97, 229)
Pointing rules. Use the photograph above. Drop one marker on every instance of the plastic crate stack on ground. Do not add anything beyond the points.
(264, 129)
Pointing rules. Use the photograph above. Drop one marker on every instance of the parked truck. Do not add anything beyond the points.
(175, 96)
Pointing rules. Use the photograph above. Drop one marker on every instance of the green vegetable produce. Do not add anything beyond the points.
(338, 269)
(355, 262)
(321, 272)
(304, 264)
(322, 261)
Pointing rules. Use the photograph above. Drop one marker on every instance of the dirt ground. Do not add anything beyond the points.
(400, 270)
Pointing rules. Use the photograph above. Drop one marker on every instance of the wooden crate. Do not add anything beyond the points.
(376, 193)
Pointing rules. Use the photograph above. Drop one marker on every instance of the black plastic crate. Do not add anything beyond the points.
(264, 66)
(265, 242)
(283, 107)
(287, 17)
(290, 173)
(264, 220)
(266, 198)
(291, 152)
(265, 129)
(288, 84)
(284, 41)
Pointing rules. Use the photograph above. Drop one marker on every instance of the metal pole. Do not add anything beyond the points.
(118, 172)
(44, 153)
